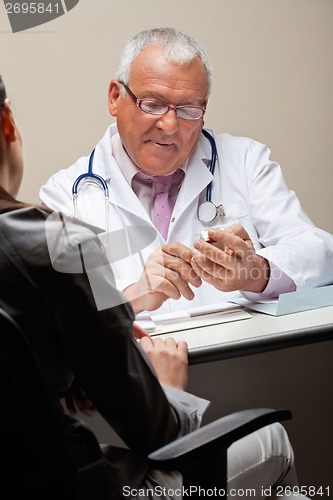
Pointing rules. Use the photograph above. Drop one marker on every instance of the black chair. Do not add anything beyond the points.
(34, 459)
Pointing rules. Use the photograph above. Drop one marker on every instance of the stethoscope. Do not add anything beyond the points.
(207, 211)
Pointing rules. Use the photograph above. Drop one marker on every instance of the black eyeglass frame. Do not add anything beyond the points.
(139, 102)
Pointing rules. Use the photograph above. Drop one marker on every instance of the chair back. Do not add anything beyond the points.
(33, 454)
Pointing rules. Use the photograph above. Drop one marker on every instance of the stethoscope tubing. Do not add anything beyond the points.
(208, 207)
(90, 174)
(212, 162)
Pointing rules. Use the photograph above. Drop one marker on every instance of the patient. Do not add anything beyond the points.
(85, 339)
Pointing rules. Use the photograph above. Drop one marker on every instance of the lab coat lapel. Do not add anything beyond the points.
(120, 193)
(196, 179)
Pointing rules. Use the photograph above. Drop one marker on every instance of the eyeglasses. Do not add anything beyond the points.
(158, 108)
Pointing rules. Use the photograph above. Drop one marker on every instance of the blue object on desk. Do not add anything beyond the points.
(292, 302)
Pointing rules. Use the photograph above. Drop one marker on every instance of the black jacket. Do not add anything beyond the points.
(71, 338)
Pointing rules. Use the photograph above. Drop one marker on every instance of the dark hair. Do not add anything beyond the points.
(75, 399)
(3, 94)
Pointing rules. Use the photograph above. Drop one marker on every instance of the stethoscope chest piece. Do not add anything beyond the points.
(208, 212)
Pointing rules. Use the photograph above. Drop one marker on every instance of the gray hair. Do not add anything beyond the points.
(178, 47)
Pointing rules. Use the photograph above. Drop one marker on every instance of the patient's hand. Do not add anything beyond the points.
(139, 332)
(169, 358)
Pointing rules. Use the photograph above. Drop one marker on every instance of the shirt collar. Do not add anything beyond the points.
(124, 162)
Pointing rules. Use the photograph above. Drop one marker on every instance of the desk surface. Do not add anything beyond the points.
(260, 333)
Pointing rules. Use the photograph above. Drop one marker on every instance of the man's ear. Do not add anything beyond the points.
(8, 123)
(113, 96)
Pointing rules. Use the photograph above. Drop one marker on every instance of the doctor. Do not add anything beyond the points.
(159, 98)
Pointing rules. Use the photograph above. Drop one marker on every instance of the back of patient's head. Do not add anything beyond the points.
(3, 96)
(10, 170)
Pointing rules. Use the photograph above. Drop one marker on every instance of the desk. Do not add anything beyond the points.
(232, 367)
(260, 333)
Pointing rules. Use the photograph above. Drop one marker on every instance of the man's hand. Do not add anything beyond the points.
(229, 261)
(169, 359)
(167, 274)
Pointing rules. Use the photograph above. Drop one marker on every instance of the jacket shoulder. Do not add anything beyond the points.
(231, 141)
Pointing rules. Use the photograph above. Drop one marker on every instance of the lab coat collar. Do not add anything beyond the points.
(197, 177)
(121, 195)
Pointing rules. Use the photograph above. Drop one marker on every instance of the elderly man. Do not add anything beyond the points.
(169, 182)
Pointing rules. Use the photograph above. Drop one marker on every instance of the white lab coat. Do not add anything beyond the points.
(248, 184)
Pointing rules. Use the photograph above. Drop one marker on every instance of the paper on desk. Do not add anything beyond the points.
(195, 317)
(292, 302)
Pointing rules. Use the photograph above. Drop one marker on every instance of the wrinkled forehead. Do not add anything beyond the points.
(152, 67)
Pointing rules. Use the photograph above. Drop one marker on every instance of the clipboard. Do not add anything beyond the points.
(196, 317)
